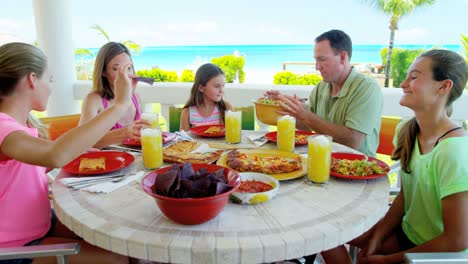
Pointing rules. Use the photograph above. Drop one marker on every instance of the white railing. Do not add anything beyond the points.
(240, 95)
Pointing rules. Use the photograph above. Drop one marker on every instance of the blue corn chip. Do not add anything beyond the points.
(181, 181)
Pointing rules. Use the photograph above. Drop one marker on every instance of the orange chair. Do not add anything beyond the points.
(60, 124)
(387, 131)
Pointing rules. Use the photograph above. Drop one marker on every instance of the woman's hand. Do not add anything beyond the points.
(374, 259)
(123, 85)
(133, 131)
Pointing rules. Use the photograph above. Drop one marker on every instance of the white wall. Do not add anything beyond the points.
(243, 94)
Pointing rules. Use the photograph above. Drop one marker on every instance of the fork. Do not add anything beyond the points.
(260, 139)
(81, 184)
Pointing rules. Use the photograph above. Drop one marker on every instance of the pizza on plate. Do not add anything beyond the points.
(214, 130)
(181, 152)
(270, 164)
(92, 164)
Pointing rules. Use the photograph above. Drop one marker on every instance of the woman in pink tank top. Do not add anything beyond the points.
(110, 56)
(205, 105)
(25, 211)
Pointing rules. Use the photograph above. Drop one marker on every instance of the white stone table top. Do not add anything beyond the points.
(300, 220)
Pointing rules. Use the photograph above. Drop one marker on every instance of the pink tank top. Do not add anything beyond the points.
(135, 103)
(196, 119)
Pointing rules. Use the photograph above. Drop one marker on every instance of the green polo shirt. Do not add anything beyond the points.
(358, 105)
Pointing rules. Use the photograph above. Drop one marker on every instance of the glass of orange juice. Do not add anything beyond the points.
(153, 118)
(151, 147)
(286, 133)
(233, 122)
(319, 159)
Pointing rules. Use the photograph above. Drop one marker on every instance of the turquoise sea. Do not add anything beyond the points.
(257, 57)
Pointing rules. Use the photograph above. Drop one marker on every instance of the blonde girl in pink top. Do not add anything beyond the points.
(205, 105)
(25, 213)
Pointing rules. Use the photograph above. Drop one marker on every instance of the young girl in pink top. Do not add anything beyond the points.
(25, 213)
(205, 105)
(109, 57)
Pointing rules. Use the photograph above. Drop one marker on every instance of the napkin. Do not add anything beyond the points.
(104, 187)
(258, 140)
(183, 135)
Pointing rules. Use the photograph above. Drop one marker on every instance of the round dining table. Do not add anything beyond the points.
(300, 220)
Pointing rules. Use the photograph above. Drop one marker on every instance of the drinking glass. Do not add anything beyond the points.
(151, 147)
(319, 159)
(151, 117)
(233, 122)
(286, 133)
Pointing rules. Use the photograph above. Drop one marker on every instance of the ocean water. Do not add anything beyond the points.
(258, 58)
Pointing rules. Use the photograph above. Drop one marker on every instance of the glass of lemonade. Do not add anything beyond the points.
(286, 133)
(151, 117)
(233, 122)
(319, 159)
(151, 147)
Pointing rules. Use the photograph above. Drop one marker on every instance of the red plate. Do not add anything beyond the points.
(115, 160)
(350, 156)
(273, 136)
(200, 131)
(167, 136)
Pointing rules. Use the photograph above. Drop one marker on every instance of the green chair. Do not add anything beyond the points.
(248, 117)
(174, 117)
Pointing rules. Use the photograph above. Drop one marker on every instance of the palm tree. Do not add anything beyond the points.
(136, 48)
(396, 9)
(464, 40)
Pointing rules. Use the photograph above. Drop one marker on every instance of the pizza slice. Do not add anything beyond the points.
(92, 164)
(270, 164)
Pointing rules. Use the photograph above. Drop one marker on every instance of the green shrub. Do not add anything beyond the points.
(159, 75)
(187, 76)
(231, 64)
(401, 60)
(290, 78)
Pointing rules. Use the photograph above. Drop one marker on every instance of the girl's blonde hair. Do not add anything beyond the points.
(446, 65)
(16, 61)
(105, 55)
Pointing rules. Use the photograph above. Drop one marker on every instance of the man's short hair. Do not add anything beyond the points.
(339, 41)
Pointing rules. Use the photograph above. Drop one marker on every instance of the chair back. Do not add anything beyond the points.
(248, 117)
(387, 131)
(174, 118)
(60, 124)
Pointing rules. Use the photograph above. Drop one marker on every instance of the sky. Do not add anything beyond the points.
(214, 22)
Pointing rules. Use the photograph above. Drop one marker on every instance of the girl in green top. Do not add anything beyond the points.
(430, 214)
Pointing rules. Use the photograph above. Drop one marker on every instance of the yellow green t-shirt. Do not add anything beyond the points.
(358, 105)
(434, 176)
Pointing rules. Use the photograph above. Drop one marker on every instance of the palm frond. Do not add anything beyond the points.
(101, 31)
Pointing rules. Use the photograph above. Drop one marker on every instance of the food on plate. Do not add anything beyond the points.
(271, 164)
(214, 130)
(268, 101)
(301, 138)
(356, 167)
(254, 186)
(92, 164)
(181, 181)
(181, 152)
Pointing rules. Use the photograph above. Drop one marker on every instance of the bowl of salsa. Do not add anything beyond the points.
(255, 188)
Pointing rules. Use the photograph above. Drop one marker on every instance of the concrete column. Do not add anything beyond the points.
(54, 35)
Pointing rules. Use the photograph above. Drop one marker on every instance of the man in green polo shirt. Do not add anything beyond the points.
(346, 105)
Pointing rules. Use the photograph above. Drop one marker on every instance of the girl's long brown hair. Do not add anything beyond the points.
(204, 74)
(105, 55)
(446, 65)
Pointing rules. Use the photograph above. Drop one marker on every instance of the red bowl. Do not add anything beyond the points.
(192, 211)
